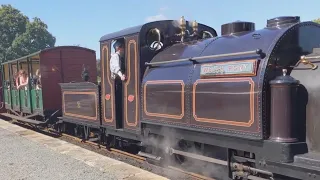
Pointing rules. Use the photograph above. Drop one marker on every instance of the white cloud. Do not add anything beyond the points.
(159, 16)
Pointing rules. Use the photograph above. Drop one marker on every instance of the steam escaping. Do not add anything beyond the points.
(158, 17)
(173, 140)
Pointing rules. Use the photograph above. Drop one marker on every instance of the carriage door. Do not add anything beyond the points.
(6, 86)
(131, 85)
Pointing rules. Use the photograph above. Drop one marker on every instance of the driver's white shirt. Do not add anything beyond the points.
(115, 65)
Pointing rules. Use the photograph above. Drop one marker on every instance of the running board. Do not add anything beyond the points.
(150, 156)
(197, 156)
(23, 119)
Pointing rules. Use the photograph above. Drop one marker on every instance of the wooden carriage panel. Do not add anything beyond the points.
(15, 100)
(107, 91)
(51, 70)
(63, 65)
(14, 92)
(5, 83)
(24, 93)
(73, 59)
(2, 99)
(25, 100)
(36, 100)
(80, 103)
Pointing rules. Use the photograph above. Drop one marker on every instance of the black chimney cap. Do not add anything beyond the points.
(237, 27)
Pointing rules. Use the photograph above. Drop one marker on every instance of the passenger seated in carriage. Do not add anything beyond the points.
(22, 79)
(38, 79)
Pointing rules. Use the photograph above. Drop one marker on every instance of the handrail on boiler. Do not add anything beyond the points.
(258, 51)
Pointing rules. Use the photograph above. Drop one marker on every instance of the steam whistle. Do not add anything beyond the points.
(183, 24)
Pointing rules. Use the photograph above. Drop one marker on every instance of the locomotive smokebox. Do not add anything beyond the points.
(283, 21)
(283, 103)
(237, 28)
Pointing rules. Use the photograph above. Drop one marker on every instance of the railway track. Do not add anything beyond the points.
(170, 172)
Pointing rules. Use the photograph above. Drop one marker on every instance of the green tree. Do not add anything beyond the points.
(317, 20)
(19, 36)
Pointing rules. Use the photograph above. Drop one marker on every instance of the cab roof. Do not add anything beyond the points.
(137, 29)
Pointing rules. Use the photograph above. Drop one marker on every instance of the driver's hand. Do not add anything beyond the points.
(123, 77)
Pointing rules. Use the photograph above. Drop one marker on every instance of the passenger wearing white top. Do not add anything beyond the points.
(115, 61)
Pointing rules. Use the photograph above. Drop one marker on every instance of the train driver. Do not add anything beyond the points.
(22, 80)
(116, 61)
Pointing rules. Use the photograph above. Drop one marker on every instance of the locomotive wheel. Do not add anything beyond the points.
(184, 146)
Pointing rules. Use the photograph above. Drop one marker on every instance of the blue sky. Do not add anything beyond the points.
(82, 22)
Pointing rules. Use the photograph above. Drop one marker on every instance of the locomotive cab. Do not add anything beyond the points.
(120, 106)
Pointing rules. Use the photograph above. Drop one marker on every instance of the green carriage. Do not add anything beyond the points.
(27, 99)
(39, 100)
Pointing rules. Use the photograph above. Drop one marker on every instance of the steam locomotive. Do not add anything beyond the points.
(245, 101)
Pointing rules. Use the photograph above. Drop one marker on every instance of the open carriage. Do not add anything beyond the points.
(40, 100)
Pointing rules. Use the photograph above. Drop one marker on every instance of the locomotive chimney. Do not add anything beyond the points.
(283, 104)
(237, 27)
(282, 21)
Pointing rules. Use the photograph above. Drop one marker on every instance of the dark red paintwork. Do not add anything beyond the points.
(63, 64)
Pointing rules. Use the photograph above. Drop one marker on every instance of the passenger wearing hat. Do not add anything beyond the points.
(115, 61)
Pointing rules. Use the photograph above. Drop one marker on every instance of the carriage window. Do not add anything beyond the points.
(35, 73)
(154, 39)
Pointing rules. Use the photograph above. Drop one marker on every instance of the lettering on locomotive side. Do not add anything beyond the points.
(224, 69)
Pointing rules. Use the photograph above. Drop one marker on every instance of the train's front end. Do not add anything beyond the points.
(257, 86)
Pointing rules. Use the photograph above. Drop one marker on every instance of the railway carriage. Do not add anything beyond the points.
(40, 100)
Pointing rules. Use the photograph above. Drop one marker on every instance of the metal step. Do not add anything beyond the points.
(23, 119)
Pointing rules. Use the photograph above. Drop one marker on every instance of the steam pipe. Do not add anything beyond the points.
(199, 157)
(258, 51)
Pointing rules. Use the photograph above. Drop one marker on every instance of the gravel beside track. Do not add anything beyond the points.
(140, 164)
(22, 159)
(27, 155)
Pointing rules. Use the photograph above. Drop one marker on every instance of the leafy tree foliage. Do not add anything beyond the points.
(317, 20)
(19, 36)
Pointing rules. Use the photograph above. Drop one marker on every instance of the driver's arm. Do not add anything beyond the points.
(115, 65)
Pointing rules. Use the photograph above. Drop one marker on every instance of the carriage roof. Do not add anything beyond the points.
(35, 55)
